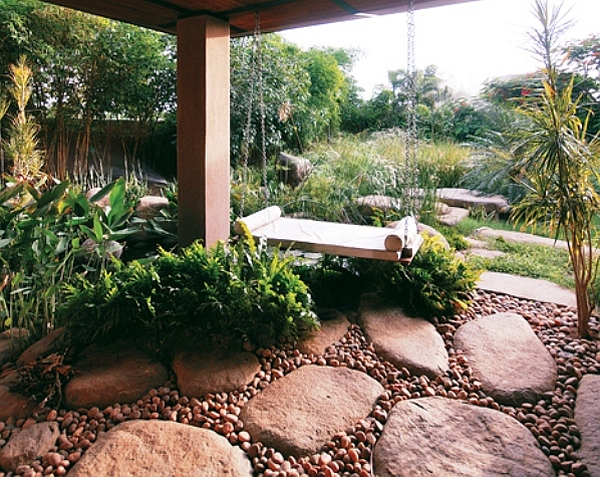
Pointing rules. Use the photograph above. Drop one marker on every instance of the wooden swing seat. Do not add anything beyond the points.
(399, 244)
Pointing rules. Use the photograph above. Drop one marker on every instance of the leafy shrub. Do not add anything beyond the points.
(436, 284)
(230, 294)
(48, 232)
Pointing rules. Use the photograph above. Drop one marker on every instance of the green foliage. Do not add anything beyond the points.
(351, 167)
(436, 284)
(230, 294)
(22, 147)
(48, 232)
(88, 69)
(302, 92)
(560, 164)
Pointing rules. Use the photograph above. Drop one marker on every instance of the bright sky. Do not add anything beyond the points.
(469, 42)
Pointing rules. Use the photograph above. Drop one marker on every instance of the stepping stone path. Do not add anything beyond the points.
(471, 199)
(109, 374)
(528, 288)
(299, 413)
(202, 372)
(587, 417)
(404, 341)
(161, 448)
(449, 438)
(521, 237)
(331, 331)
(30, 443)
(506, 356)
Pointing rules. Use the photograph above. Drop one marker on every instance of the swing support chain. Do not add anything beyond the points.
(256, 79)
(410, 191)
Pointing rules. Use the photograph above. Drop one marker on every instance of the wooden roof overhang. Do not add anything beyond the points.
(275, 15)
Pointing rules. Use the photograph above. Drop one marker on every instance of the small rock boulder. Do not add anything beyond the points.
(587, 417)
(292, 170)
(448, 438)
(299, 413)
(424, 229)
(527, 369)
(103, 202)
(149, 207)
(28, 444)
(161, 448)
(113, 373)
(331, 331)
(404, 341)
(211, 371)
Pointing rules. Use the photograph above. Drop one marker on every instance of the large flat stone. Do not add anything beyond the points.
(506, 356)
(211, 371)
(300, 412)
(472, 199)
(450, 438)
(403, 340)
(331, 331)
(528, 288)
(587, 417)
(109, 374)
(161, 448)
(28, 444)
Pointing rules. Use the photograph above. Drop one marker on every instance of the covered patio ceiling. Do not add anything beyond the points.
(275, 15)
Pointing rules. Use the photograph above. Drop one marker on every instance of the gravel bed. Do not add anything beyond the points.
(349, 453)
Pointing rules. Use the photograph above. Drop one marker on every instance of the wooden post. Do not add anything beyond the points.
(203, 129)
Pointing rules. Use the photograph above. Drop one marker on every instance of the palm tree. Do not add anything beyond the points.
(559, 164)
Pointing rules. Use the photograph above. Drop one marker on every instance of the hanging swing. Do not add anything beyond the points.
(398, 244)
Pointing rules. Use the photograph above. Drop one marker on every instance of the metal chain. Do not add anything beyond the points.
(261, 103)
(246, 134)
(411, 172)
